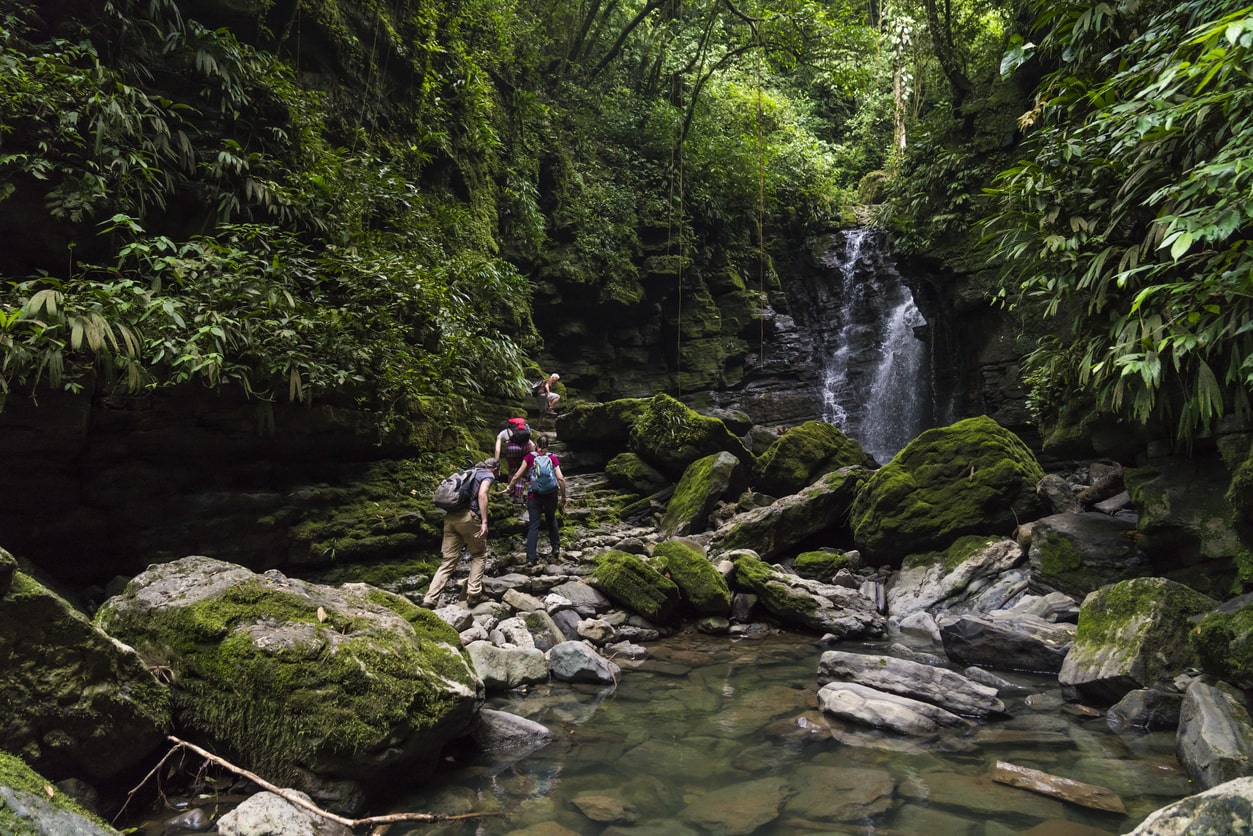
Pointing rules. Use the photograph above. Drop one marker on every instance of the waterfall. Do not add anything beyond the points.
(876, 373)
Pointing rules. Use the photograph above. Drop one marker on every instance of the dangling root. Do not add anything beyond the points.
(297, 800)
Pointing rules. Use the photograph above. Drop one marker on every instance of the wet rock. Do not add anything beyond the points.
(1219, 811)
(500, 731)
(1006, 641)
(738, 809)
(703, 484)
(1215, 738)
(506, 668)
(1146, 708)
(267, 812)
(935, 587)
(831, 793)
(882, 710)
(75, 700)
(1078, 553)
(817, 606)
(604, 808)
(983, 798)
(1131, 635)
(573, 661)
(945, 688)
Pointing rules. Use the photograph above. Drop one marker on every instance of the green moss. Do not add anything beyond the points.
(1150, 614)
(700, 584)
(16, 774)
(1058, 556)
(755, 575)
(691, 500)
(633, 583)
(803, 454)
(670, 435)
(281, 703)
(1224, 642)
(821, 565)
(973, 477)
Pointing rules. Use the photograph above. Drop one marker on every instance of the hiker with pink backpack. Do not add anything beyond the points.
(546, 491)
(513, 442)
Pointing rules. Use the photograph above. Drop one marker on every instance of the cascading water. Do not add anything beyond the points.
(876, 372)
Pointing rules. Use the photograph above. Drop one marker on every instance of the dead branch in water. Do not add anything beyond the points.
(291, 797)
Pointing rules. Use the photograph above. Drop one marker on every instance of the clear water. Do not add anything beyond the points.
(729, 728)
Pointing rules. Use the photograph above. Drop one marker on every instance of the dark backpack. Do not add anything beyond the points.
(537, 389)
(453, 494)
(543, 474)
(519, 432)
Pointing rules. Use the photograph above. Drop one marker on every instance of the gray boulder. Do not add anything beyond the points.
(881, 710)
(842, 612)
(1215, 738)
(940, 585)
(947, 689)
(1006, 641)
(506, 668)
(576, 661)
(1150, 709)
(271, 813)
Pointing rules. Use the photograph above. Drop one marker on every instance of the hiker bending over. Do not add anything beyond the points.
(547, 395)
(466, 527)
(547, 490)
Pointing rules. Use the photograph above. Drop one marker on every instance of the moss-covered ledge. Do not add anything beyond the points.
(633, 583)
(701, 585)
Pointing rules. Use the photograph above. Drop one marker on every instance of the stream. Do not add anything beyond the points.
(723, 734)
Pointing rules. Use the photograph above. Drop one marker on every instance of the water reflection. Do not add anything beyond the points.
(718, 735)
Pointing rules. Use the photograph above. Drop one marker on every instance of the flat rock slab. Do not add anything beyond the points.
(1076, 792)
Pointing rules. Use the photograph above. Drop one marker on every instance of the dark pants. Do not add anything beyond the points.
(546, 504)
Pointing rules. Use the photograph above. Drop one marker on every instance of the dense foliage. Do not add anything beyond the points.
(1129, 222)
(342, 199)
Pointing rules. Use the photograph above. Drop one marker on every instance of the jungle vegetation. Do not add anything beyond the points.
(355, 200)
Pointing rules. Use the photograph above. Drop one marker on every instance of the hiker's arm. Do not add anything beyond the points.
(497, 448)
(561, 486)
(482, 497)
(518, 475)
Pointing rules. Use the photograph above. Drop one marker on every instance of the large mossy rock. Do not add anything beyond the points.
(29, 804)
(704, 483)
(701, 585)
(782, 526)
(1132, 634)
(803, 454)
(601, 424)
(633, 583)
(1224, 641)
(973, 477)
(1079, 553)
(671, 435)
(76, 702)
(628, 472)
(324, 689)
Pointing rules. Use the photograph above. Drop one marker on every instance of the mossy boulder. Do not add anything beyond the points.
(1133, 634)
(701, 585)
(633, 583)
(1079, 553)
(822, 565)
(670, 436)
(1224, 641)
(804, 453)
(324, 689)
(842, 612)
(820, 509)
(627, 471)
(76, 702)
(973, 477)
(31, 806)
(704, 483)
